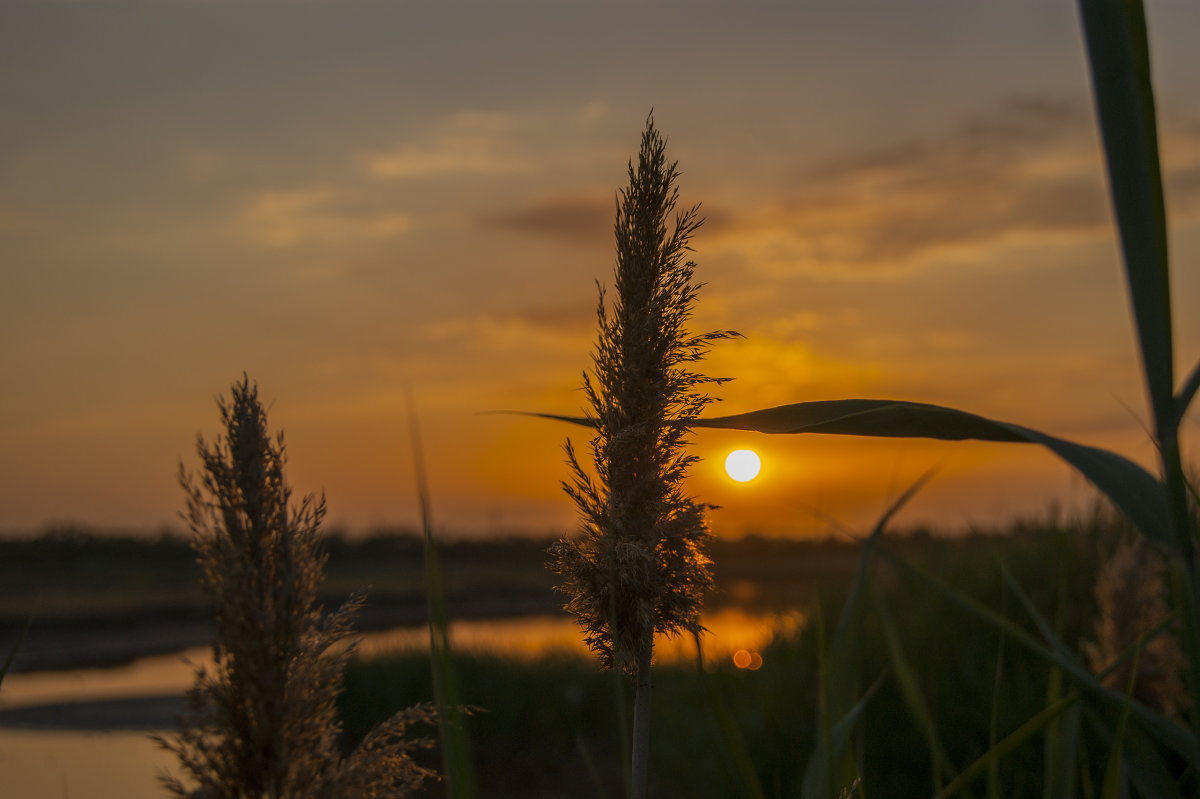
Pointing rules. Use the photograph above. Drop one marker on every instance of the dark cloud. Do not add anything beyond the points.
(1030, 168)
(583, 220)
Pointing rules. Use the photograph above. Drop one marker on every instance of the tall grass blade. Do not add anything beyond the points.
(1144, 765)
(1119, 55)
(1113, 776)
(1006, 746)
(838, 667)
(1183, 742)
(12, 653)
(1130, 487)
(821, 779)
(1060, 750)
(456, 751)
(1187, 392)
(1147, 767)
(589, 763)
(733, 743)
(993, 772)
(914, 699)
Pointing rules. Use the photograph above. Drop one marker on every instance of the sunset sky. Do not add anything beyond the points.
(350, 200)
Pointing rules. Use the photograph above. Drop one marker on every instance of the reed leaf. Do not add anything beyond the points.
(1119, 56)
(1130, 487)
(1184, 742)
(733, 743)
(838, 666)
(456, 746)
(12, 653)
(1006, 745)
(910, 691)
(1187, 392)
(1061, 750)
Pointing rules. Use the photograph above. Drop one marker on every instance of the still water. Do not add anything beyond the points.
(115, 764)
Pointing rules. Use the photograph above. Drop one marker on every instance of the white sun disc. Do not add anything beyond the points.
(743, 465)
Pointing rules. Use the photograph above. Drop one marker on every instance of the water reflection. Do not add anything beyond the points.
(49, 764)
(96, 765)
(730, 630)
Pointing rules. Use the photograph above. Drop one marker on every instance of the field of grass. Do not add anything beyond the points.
(551, 728)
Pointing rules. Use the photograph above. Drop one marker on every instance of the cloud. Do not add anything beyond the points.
(320, 215)
(571, 219)
(545, 332)
(467, 143)
(1028, 172)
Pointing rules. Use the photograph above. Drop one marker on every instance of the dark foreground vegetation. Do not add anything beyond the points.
(552, 728)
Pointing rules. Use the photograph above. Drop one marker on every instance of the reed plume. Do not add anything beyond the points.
(263, 723)
(639, 567)
(1131, 600)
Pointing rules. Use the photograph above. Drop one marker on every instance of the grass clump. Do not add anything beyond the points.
(263, 723)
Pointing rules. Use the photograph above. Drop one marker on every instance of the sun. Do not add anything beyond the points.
(743, 465)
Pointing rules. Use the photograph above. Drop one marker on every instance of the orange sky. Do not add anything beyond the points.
(345, 200)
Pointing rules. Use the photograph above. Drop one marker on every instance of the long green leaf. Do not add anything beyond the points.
(1061, 750)
(12, 653)
(1187, 392)
(1144, 765)
(838, 667)
(1007, 745)
(1113, 776)
(456, 746)
(1130, 487)
(910, 691)
(818, 781)
(1119, 55)
(733, 743)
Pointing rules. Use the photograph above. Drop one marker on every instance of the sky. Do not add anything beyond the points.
(359, 203)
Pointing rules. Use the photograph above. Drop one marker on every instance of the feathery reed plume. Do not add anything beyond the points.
(639, 565)
(1131, 600)
(263, 723)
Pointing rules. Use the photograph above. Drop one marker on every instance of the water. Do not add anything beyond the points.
(100, 763)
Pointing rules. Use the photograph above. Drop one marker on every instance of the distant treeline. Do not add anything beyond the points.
(65, 543)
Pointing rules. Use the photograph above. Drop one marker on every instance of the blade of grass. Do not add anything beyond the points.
(589, 763)
(910, 692)
(733, 743)
(1061, 746)
(838, 672)
(1131, 488)
(1006, 745)
(1182, 741)
(1118, 51)
(12, 653)
(819, 782)
(993, 772)
(1144, 764)
(1113, 777)
(1119, 57)
(1187, 392)
(456, 752)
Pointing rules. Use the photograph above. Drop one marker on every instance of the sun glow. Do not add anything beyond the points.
(743, 465)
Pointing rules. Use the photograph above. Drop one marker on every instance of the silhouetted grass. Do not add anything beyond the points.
(549, 725)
